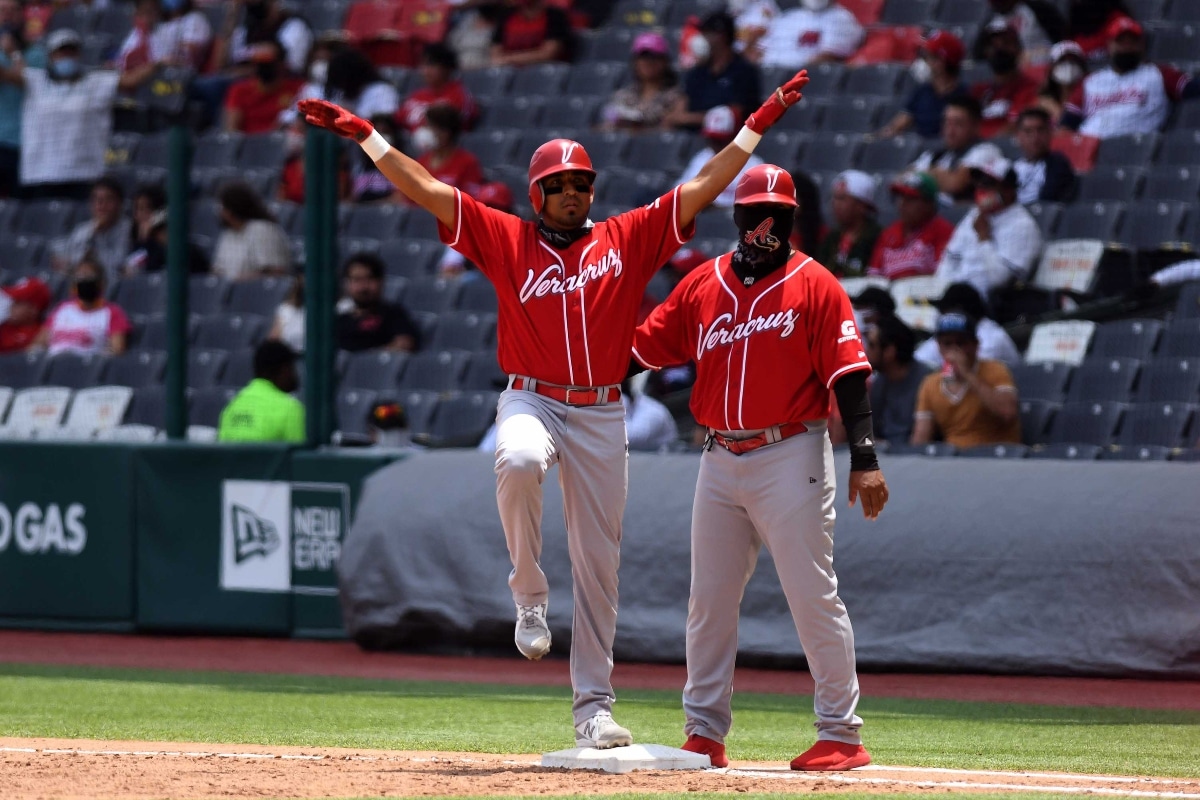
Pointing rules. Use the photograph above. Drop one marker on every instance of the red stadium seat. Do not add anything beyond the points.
(377, 27)
(867, 12)
(896, 43)
(1080, 149)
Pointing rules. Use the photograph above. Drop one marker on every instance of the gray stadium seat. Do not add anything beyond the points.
(74, 370)
(629, 188)
(1160, 424)
(1182, 338)
(148, 407)
(9, 209)
(1067, 452)
(394, 287)
(488, 82)
(23, 255)
(1086, 423)
(1044, 381)
(567, 112)
(1150, 225)
(852, 115)
(206, 405)
(961, 12)
(1090, 221)
(1136, 453)
(665, 150)
(1180, 183)
(827, 80)
(1177, 43)
(597, 79)
(1133, 150)
(1188, 305)
(239, 368)
(47, 217)
(603, 44)
(1047, 216)
(477, 294)
(376, 221)
(875, 80)
(805, 116)
(996, 451)
(1180, 146)
(890, 155)
(136, 368)
(419, 406)
(936, 449)
(207, 293)
(205, 367)
(1170, 379)
(606, 148)
(259, 296)
(464, 330)
(22, 370)
(353, 406)
(910, 12)
(435, 371)
(153, 151)
(230, 331)
(716, 223)
(262, 151)
(1104, 379)
(1129, 338)
(1036, 416)
(516, 113)
(640, 13)
(541, 80)
(431, 293)
(377, 370)
(422, 225)
(484, 372)
(217, 148)
(832, 152)
(144, 293)
(325, 16)
(1110, 182)
(782, 148)
(462, 419)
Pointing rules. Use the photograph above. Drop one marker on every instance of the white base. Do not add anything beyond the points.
(626, 759)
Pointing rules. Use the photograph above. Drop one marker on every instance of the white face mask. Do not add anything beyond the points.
(424, 139)
(318, 72)
(1066, 73)
(698, 48)
(815, 5)
(921, 71)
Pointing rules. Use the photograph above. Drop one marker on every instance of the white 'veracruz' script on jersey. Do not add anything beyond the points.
(551, 281)
(720, 334)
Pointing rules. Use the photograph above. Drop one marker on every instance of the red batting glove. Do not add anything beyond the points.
(770, 111)
(334, 118)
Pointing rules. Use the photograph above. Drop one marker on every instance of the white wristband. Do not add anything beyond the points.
(375, 146)
(747, 139)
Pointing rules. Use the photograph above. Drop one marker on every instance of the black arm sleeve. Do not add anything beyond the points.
(855, 406)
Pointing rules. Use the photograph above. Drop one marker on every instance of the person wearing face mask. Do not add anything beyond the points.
(1068, 68)
(1038, 23)
(937, 71)
(723, 78)
(1010, 91)
(264, 410)
(66, 117)
(998, 241)
(766, 471)
(439, 76)
(819, 31)
(87, 323)
(437, 143)
(255, 105)
(1129, 96)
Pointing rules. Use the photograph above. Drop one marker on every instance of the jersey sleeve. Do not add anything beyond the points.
(663, 340)
(833, 337)
(117, 321)
(924, 409)
(996, 375)
(650, 235)
(1174, 81)
(482, 235)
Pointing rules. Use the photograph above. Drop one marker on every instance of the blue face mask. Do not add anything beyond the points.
(65, 69)
(171, 6)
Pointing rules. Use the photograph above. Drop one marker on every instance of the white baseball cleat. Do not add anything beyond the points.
(533, 634)
(602, 732)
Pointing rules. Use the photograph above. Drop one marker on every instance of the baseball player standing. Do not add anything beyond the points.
(771, 332)
(569, 291)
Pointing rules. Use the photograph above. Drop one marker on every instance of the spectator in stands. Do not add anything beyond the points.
(819, 31)
(367, 183)
(1068, 68)
(1088, 22)
(752, 19)
(1043, 174)
(809, 228)
(531, 32)
(148, 200)
(471, 35)
(66, 118)
(648, 423)
(896, 377)
(724, 78)
(252, 245)
(846, 250)
(12, 47)
(1130, 96)
(913, 244)
(265, 411)
(87, 323)
(387, 427)
(721, 124)
(972, 401)
(1037, 22)
(21, 308)
(937, 71)
(652, 90)
(355, 84)
(289, 322)
(255, 105)
(872, 304)
(151, 255)
(1010, 91)
(371, 323)
(994, 342)
(960, 137)
(998, 241)
(439, 74)
(183, 37)
(106, 237)
(452, 264)
(441, 154)
(138, 48)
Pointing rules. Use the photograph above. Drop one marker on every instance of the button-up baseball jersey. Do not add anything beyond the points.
(567, 316)
(766, 354)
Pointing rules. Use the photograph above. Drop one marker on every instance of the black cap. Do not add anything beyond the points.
(955, 323)
(875, 297)
(964, 298)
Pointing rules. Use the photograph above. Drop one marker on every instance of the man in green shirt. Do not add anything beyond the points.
(846, 250)
(265, 411)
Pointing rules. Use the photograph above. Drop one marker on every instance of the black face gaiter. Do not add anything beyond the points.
(561, 240)
(1126, 62)
(763, 232)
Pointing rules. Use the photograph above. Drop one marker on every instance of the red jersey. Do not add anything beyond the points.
(454, 94)
(14, 338)
(1003, 103)
(797, 323)
(461, 170)
(898, 255)
(260, 109)
(567, 316)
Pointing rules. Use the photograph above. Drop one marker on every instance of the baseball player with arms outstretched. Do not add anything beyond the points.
(569, 292)
(771, 332)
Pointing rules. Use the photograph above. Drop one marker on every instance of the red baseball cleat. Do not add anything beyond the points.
(829, 756)
(706, 746)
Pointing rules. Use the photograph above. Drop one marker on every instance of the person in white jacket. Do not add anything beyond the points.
(998, 241)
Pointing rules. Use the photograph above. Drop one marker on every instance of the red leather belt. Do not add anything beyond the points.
(740, 446)
(572, 396)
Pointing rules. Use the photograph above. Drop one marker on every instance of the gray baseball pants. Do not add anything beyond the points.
(589, 445)
(781, 496)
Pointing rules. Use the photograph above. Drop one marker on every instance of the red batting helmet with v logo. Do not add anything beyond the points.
(765, 183)
(556, 155)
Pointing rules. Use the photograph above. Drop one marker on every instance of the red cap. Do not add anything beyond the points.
(30, 290)
(556, 155)
(687, 260)
(1123, 25)
(495, 195)
(765, 183)
(945, 46)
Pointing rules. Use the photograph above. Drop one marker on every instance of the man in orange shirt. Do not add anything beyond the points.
(253, 104)
(971, 402)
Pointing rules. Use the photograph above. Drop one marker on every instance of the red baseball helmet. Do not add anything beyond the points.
(556, 155)
(765, 183)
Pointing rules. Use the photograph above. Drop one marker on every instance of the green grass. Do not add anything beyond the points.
(76, 702)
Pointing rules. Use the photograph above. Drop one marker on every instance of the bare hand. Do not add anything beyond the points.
(872, 488)
(983, 226)
(957, 359)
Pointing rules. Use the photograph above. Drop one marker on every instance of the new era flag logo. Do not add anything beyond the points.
(252, 535)
(256, 536)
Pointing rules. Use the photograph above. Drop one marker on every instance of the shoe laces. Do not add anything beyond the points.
(532, 616)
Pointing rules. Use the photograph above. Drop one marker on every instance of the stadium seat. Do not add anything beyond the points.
(893, 154)
(488, 82)
(349, 246)
(597, 79)
(1081, 150)
(484, 372)
(431, 293)
(604, 44)
(1067, 452)
(148, 407)
(153, 151)
(410, 258)
(1180, 145)
(1045, 381)
(1109, 182)
(1128, 338)
(376, 221)
(419, 406)
(1150, 225)
(1086, 422)
(640, 13)
(136, 368)
(910, 12)
(874, 80)
(464, 330)
(143, 293)
(517, 113)
(1136, 453)
(1090, 221)
(1159, 424)
(490, 146)
(435, 371)
(996, 451)
(782, 148)
(1132, 150)
(74, 370)
(353, 406)
(207, 293)
(715, 223)
(239, 368)
(477, 295)
(1171, 379)
(34, 409)
(46, 217)
(259, 296)
(263, 151)
(421, 224)
(130, 432)
(569, 112)
(832, 152)
(962, 12)
(98, 407)
(935, 449)
(230, 331)
(217, 148)
(377, 370)
(852, 115)
(1036, 416)
(207, 404)
(805, 116)
(606, 148)
(664, 150)
(22, 370)
(1188, 305)
(629, 188)
(1180, 183)
(1177, 43)
(394, 287)
(324, 16)
(1047, 216)
(205, 367)
(426, 322)
(1104, 379)
(462, 419)
(540, 80)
